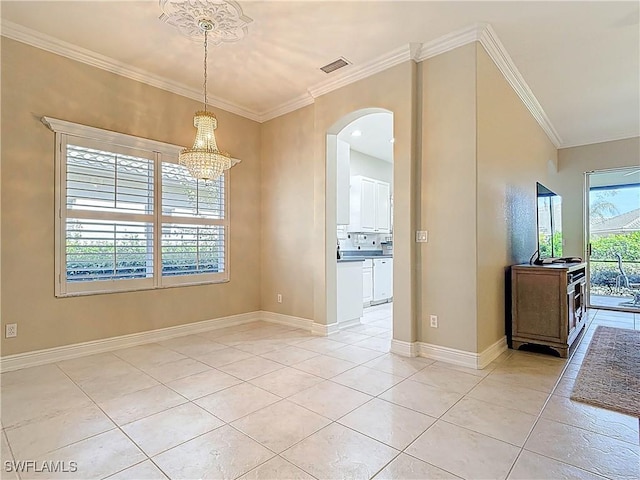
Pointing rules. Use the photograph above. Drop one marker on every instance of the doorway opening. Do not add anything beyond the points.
(363, 232)
(613, 238)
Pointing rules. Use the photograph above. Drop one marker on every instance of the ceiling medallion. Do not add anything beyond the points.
(229, 23)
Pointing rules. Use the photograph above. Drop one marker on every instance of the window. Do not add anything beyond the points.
(193, 228)
(131, 218)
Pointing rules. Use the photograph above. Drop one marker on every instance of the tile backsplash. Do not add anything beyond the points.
(363, 241)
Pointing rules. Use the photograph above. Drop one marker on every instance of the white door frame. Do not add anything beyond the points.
(331, 224)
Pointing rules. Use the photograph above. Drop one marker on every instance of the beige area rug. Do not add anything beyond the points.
(610, 373)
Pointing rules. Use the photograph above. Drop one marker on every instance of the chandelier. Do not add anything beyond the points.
(204, 160)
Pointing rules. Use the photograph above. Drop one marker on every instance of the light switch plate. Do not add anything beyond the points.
(421, 236)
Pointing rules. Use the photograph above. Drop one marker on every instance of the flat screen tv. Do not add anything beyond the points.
(549, 223)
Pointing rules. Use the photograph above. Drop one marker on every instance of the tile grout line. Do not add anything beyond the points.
(546, 402)
(113, 421)
(187, 400)
(119, 427)
(13, 457)
(282, 398)
(561, 376)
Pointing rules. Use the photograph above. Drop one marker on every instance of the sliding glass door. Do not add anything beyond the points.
(613, 233)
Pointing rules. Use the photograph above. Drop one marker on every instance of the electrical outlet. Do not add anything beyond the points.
(279, 298)
(11, 330)
(433, 321)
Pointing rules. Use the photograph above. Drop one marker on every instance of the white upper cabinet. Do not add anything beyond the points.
(370, 205)
(367, 204)
(383, 207)
(343, 163)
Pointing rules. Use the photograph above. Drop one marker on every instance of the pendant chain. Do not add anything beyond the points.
(205, 70)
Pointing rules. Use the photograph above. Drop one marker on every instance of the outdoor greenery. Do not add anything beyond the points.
(128, 257)
(545, 245)
(606, 277)
(625, 244)
(105, 250)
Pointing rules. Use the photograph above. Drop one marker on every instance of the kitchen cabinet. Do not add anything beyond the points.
(343, 180)
(382, 280)
(367, 282)
(369, 205)
(383, 207)
(349, 293)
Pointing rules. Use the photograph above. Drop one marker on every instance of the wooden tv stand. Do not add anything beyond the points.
(548, 304)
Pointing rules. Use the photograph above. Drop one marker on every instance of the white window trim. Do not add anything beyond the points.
(159, 152)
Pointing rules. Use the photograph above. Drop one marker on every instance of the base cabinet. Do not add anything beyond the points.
(382, 280)
(367, 282)
(548, 305)
(349, 293)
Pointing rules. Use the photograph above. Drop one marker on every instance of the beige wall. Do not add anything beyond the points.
(286, 214)
(298, 250)
(512, 154)
(572, 165)
(36, 83)
(447, 196)
(393, 90)
(466, 158)
(482, 153)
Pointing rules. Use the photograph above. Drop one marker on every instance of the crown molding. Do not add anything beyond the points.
(450, 41)
(287, 107)
(59, 47)
(482, 33)
(358, 72)
(495, 49)
(412, 51)
(593, 141)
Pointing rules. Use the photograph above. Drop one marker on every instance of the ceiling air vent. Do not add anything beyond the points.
(335, 65)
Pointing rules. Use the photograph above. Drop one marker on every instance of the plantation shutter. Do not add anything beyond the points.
(129, 217)
(193, 223)
(109, 203)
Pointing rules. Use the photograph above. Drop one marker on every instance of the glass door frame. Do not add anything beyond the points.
(587, 238)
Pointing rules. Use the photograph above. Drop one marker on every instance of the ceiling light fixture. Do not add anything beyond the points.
(221, 21)
(356, 133)
(204, 160)
(229, 21)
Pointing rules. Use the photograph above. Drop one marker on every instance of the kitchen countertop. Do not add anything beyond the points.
(361, 257)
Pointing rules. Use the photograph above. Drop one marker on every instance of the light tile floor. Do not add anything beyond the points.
(265, 401)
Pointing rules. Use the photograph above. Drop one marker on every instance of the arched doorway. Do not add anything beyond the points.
(359, 220)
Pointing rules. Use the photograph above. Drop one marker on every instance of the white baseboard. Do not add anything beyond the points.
(66, 352)
(349, 323)
(463, 358)
(324, 330)
(406, 349)
(448, 355)
(491, 353)
(279, 318)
